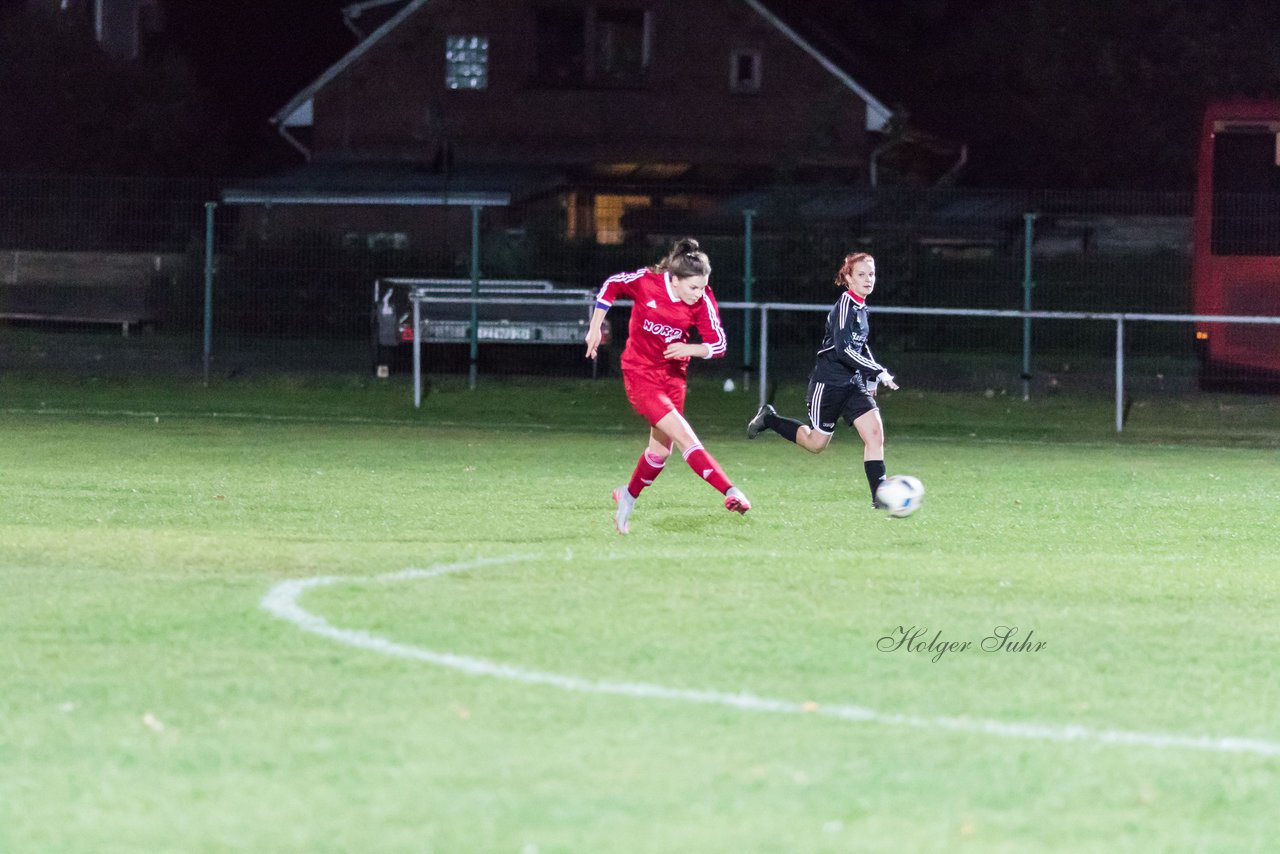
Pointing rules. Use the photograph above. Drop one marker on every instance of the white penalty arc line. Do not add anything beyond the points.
(282, 601)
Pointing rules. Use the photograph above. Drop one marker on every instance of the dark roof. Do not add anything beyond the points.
(968, 215)
(327, 182)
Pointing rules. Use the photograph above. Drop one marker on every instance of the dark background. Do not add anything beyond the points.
(1045, 93)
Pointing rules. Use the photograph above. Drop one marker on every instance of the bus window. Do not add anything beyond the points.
(1246, 192)
(1235, 265)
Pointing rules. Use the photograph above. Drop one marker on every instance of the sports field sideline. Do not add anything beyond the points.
(285, 615)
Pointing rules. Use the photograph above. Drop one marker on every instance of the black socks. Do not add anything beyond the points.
(875, 474)
(784, 427)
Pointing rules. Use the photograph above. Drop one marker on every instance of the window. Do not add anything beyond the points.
(609, 212)
(744, 71)
(1246, 192)
(599, 216)
(466, 62)
(595, 46)
(561, 35)
(621, 49)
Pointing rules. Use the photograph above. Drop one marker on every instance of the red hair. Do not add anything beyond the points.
(849, 261)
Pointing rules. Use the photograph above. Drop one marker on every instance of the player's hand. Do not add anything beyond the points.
(593, 342)
(887, 379)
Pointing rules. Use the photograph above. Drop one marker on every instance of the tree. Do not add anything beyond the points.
(1061, 93)
(67, 107)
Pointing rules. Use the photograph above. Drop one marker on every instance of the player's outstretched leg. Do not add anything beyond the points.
(736, 501)
(626, 503)
(702, 463)
(767, 418)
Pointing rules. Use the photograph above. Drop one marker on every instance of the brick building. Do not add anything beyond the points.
(601, 106)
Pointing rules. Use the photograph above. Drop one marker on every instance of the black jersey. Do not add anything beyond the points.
(845, 358)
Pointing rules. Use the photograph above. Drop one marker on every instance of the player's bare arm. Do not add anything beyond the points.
(593, 332)
(686, 351)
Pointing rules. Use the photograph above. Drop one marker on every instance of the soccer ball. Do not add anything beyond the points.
(901, 494)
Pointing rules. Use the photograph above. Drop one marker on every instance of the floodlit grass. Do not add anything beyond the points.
(149, 703)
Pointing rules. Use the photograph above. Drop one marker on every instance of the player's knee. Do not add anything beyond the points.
(813, 441)
(686, 440)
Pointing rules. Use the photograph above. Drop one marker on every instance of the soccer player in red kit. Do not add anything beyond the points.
(669, 299)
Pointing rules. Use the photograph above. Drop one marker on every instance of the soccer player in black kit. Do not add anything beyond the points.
(844, 378)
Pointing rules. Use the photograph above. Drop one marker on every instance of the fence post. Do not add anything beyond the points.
(475, 295)
(746, 297)
(209, 208)
(1119, 373)
(417, 354)
(1028, 235)
(764, 350)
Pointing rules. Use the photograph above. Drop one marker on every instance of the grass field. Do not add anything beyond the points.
(710, 683)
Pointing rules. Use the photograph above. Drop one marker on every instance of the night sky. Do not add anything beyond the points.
(1048, 93)
(251, 56)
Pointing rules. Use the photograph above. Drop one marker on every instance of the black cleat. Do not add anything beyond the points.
(756, 425)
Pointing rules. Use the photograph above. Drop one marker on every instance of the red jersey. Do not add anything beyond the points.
(660, 318)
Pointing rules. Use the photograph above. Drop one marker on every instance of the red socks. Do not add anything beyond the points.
(648, 467)
(706, 467)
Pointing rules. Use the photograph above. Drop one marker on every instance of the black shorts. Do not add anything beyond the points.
(828, 404)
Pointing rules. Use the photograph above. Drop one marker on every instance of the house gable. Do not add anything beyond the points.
(388, 98)
(299, 111)
(878, 114)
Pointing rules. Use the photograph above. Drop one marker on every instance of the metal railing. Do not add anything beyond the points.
(764, 308)
(1118, 318)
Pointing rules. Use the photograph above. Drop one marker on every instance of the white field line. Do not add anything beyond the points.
(282, 601)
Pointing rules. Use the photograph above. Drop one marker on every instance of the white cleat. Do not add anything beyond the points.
(735, 501)
(626, 503)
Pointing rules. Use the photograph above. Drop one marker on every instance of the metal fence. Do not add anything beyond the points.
(289, 286)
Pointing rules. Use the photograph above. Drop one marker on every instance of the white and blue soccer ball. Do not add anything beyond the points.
(901, 494)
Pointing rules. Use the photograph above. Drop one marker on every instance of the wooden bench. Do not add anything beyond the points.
(111, 288)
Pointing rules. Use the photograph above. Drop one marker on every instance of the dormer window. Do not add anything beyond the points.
(466, 62)
(598, 45)
(744, 71)
(621, 45)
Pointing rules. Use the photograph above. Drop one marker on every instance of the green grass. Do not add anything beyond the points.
(149, 703)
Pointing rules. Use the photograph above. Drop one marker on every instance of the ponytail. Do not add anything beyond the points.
(684, 260)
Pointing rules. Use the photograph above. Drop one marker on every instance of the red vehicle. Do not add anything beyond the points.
(1236, 241)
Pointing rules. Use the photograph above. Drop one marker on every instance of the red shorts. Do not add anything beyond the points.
(653, 395)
